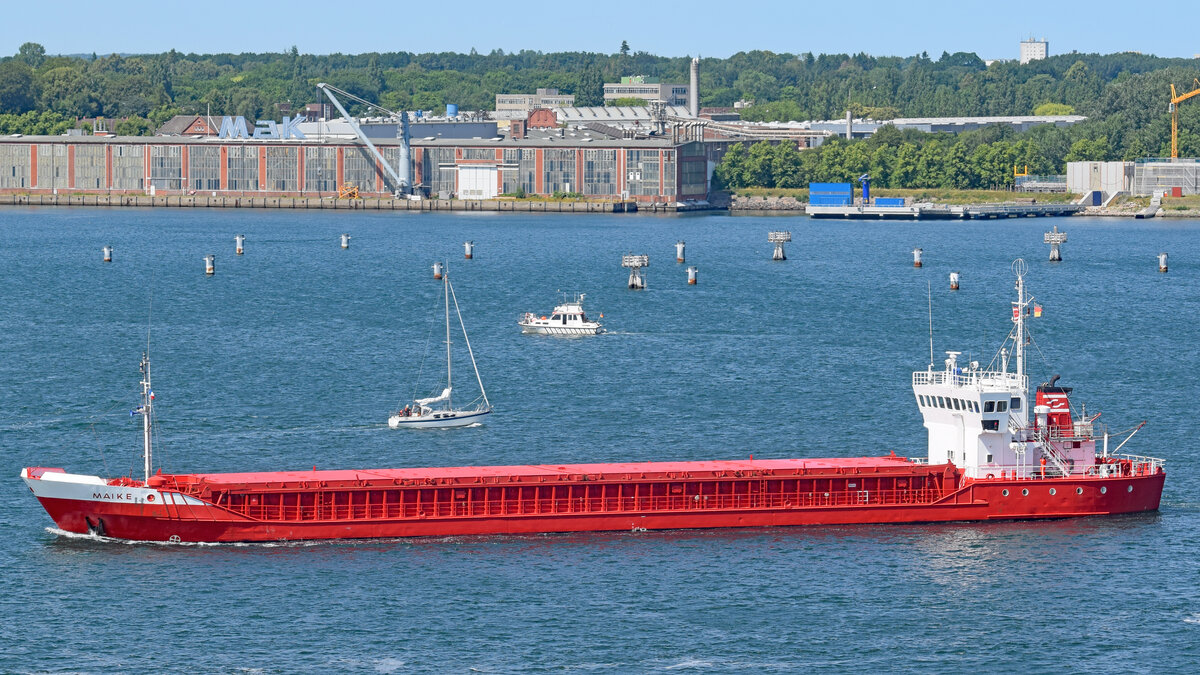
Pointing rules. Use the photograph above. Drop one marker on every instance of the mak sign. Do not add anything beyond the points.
(235, 127)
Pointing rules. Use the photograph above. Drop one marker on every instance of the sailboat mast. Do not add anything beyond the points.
(446, 292)
(470, 351)
(147, 402)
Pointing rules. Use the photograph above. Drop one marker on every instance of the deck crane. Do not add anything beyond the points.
(1174, 110)
(402, 179)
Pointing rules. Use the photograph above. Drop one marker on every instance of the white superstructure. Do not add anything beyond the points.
(979, 419)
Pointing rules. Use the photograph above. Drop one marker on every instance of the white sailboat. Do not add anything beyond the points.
(439, 411)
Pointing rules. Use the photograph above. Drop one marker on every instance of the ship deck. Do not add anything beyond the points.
(554, 472)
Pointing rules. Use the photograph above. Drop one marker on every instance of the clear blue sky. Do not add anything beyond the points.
(706, 27)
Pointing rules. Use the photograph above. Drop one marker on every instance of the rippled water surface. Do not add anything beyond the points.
(293, 355)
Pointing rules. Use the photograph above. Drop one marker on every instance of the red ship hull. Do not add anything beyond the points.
(571, 498)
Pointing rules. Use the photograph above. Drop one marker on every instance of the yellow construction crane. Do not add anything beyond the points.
(1174, 110)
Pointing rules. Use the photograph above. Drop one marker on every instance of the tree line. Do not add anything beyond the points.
(983, 159)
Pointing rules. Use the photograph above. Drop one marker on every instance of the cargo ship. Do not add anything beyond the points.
(991, 456)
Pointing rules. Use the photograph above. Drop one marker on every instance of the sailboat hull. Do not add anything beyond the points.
(440, 420)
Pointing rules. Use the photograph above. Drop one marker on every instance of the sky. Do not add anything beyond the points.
(701, 27)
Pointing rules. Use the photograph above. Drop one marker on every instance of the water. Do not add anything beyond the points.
(294, 354)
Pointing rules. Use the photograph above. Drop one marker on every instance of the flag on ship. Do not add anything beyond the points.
(1037, 311)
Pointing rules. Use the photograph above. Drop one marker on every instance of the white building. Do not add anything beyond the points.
(1033, 49)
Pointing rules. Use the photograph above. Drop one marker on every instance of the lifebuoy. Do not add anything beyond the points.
(991, 476)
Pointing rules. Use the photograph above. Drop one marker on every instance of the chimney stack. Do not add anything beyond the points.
(694, 90)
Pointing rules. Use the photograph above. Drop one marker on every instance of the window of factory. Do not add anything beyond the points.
(358, 167)
(166, 167)
(478, 153)
(519, 170)
(559, 166)
(599, 172)
(641, 172)
(89, 167)
(391, 155)
(204, 167)
(129, 168)
(242, 168)
(14, 165)
(437, 165)
(695, 178)
(668, 170)
(52, 165)
(282, 169)
(320, 169)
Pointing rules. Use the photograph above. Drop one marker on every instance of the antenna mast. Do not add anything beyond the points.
(929, 295)
(147, 402)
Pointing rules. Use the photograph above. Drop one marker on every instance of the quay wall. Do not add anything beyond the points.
(367, 204)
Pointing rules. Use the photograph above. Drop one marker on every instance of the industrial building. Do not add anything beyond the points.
(647, 89)
(659, 169)
(1107, 177)
(524, 103)
(1156, 176)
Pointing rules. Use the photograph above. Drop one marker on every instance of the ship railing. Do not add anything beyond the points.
(466, 508)
(977, 379)
(1142, 463)
(1118, 466)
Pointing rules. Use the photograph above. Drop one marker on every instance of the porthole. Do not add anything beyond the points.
(1078, 491)
(1103, 489)
(1129, 489)
(1025, 492)
(1053, 491)
(1004, 493)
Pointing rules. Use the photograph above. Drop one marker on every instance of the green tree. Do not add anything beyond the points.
(1089, 150)
(591, 88)
(32, 53)
(1054, 109)
(16, 87)
(628, 101)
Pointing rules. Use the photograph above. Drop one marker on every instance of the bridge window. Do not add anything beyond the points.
(1001, 406)
(989, 406)
(991, 425)
(1016, 404)
(955, 402)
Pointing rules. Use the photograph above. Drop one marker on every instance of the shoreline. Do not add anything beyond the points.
(329, 203)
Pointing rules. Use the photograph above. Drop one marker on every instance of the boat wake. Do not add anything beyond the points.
(75, 536)
(1193, 619)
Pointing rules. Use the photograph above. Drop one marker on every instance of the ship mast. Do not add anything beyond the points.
(1020, 268)
(147, 402)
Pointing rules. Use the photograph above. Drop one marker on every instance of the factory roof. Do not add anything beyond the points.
(572, 137)
(614, 113)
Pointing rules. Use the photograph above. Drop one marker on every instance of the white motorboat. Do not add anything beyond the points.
(439, 411)
(566, 319)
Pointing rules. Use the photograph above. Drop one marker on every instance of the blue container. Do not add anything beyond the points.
(889, 201)
(451, 110)
(830, 200)
(830, 188)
